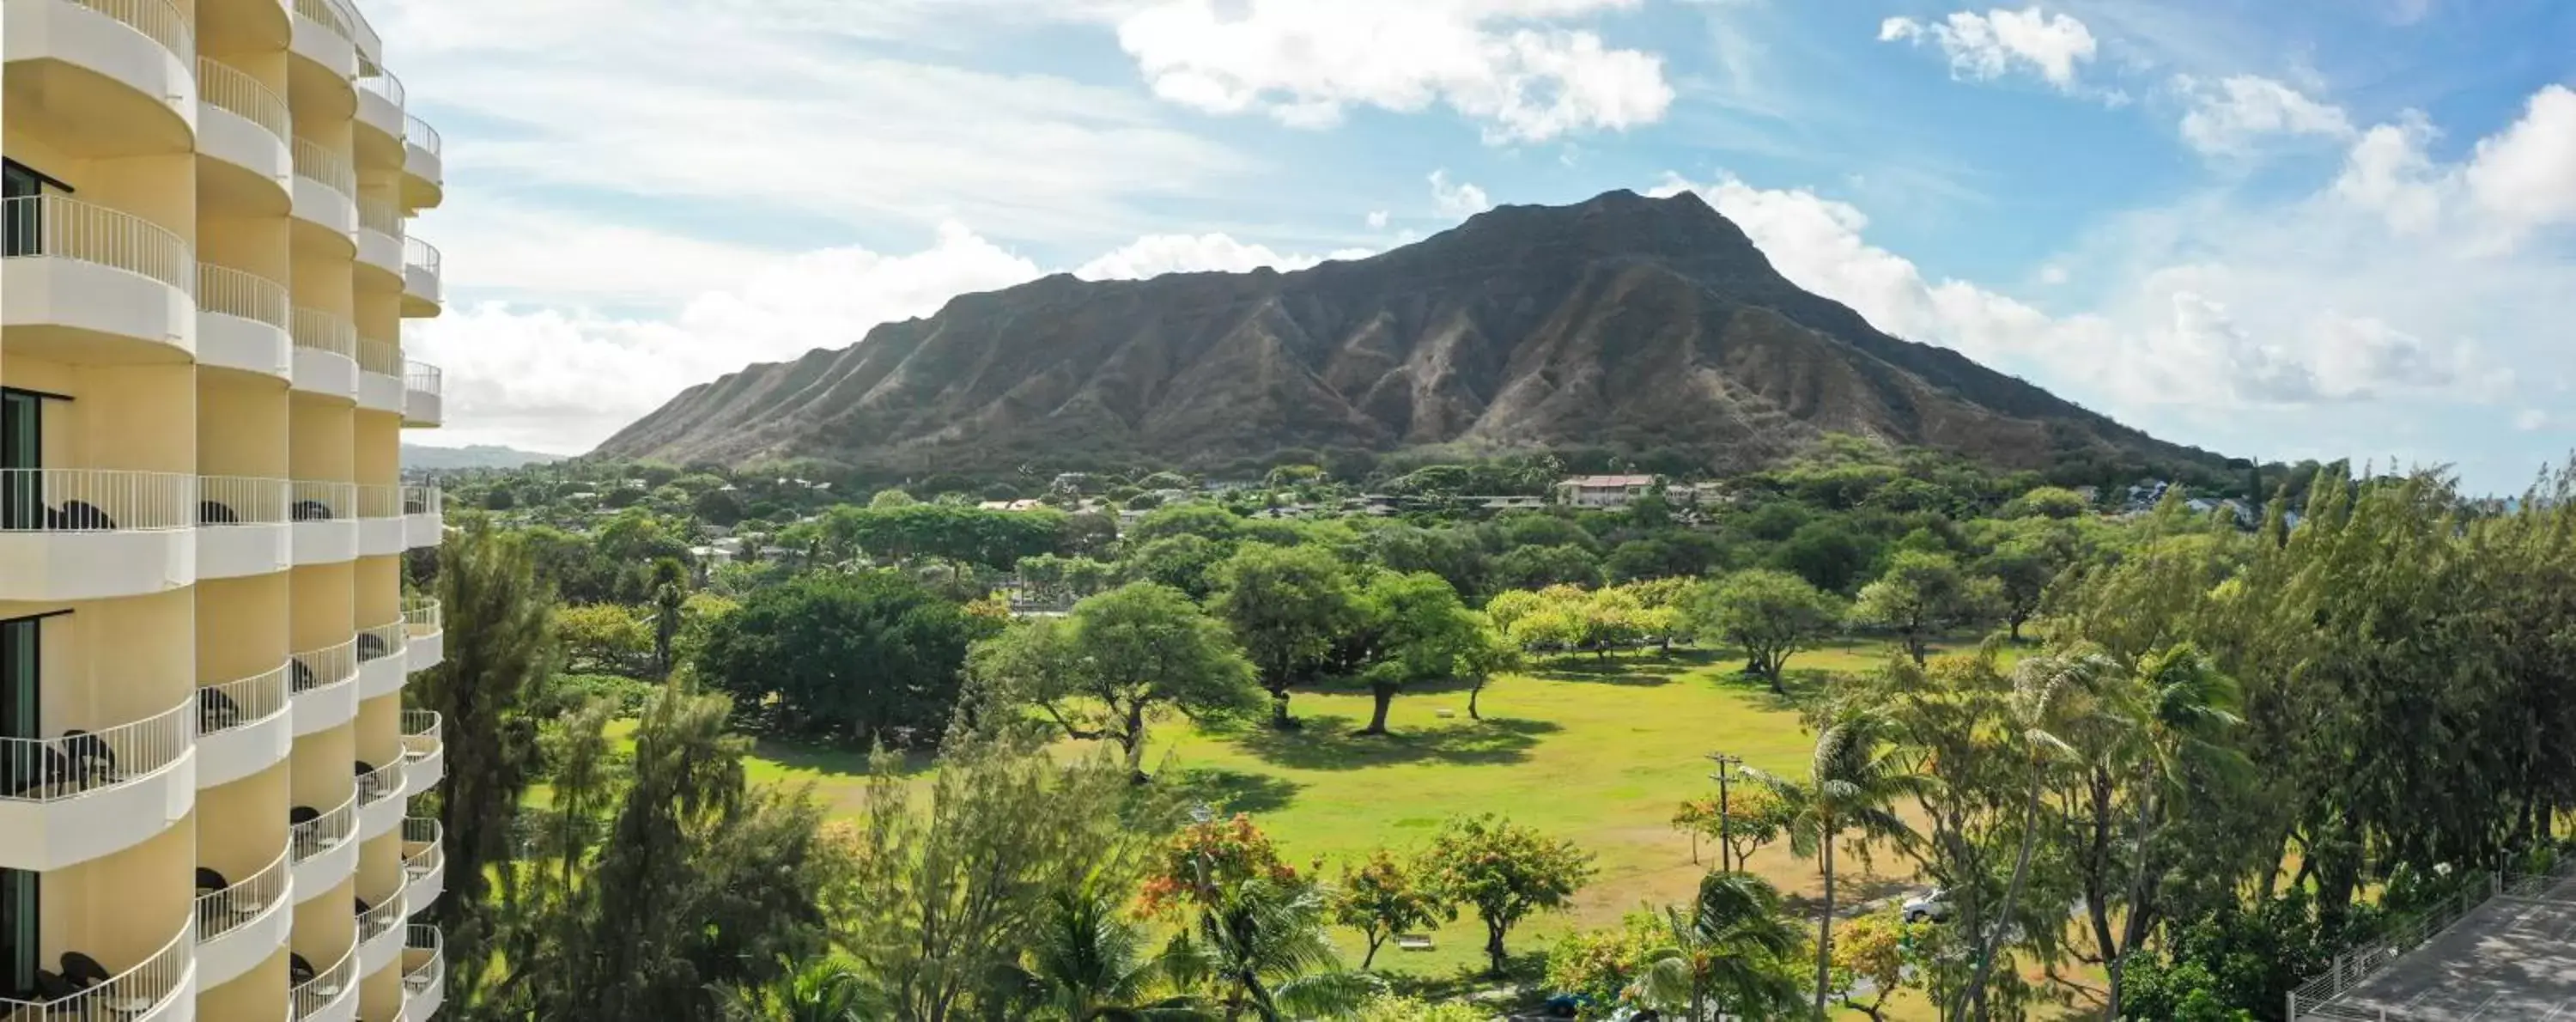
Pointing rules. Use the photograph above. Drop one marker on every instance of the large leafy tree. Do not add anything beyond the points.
(861, 657)
(1921, 594)
(1409, 629)
(1120, 659)
(1286, 605)
(1385, 896)
(1852, 786)
(1505, 872)
(1771, 614)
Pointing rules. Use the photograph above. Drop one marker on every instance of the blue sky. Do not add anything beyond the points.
(2283, 229)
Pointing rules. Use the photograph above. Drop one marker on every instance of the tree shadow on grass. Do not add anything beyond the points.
(1628, 670)
(1330, 742)
(832, 760)
(1234, 791)
(1521, 987)
(1850, 894)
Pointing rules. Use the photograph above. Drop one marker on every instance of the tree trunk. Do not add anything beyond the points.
(1370, 958)
(1384, 694)
(1134, 738)
(1279, 717)
(1474, 691)
(2012, 892)
(1494, 946)
(2016, 638)
(1773, 675)
(1825, 931)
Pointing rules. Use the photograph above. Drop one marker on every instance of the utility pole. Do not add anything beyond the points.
(1726, 766)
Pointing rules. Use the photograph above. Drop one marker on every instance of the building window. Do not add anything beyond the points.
(21, 953)
(22, 224)
(22, 450)
(21, 704)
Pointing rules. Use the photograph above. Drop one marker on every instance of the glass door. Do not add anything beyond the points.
(21, 223)
(22, 450)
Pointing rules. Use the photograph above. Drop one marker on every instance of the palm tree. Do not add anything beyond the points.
(1088, 962)
(1728, 949)
(1262, 943)
(2178, 707)
(1853, 781)
(822, 990)
(2052, 694)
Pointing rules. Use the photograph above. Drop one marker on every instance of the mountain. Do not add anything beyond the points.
(450, 459)
(1622, 322)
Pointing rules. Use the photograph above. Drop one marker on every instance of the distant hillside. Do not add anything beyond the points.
(1623, 322)
(450, 459)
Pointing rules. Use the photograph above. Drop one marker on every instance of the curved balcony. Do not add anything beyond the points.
(326, 353)
(245, 165)
(380, 933)
(80, 795)
(425, 516)
(325, 520)
(428, 627)
(330, 995)
(380, 245)
(324, 36)
(242, 322)
(244, 726)
(383, 529)
(160, 988)
(242, 528)
(326, 192)
(241, 923)
(325, 686)
(85, 283)
(380, 110)
(90, 534)
(420, 278)
(424, 394)
(425, 748)
(382, 659)
(380, 375)
(424, 173)
(424, 973)
(424, 863)
(322, 847)
(110, 77)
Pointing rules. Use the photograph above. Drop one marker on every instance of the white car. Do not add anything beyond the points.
(1933, 905)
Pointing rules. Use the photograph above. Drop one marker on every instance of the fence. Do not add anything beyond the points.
(133, 993)
(221, 912)
(380, 500)
(61, 227)
(423, 378)
(424, 617)
(324, 331)
(249, 700)
(2355, 967)
(421, 254)
(422, 849)
(325, 667)
(379, 919)
(383, 83)
(95, 500)
(80, 762)
(418, 132)
(322, 501)
(242, 500)
(326, 987)
(423, 500)
(326, 15)
(158, 20)
(424, 960)
(323, 165)
(325, 832)
(380, 216)
(380, 641)
(231, 292)
(226, 87)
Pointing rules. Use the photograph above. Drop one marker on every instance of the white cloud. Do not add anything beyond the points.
(2052, 274)
(2530, 419)
(1998, 42)
(2233, 116)
(2517, 181)
(1507, 64)
(2528, 173)
(1377, 219)
(563, 377)
(1458, 200)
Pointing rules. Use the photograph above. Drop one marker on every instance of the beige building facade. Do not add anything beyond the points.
(206, 759)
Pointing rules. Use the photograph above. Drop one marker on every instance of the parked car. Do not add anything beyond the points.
(1933, 905)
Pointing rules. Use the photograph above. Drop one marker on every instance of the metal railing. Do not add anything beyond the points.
(85, 762)
(323, 833)
(424, 500)
(381, 82)
(58, 226)
(240, 293)
(379, 356)
(423, 850)
(419, 980)
(226, 87)
(380, 918)
(423, 617)
(221, 912)
(423, 378)
(242, 500)
(323, 330)
(2351, 969)
(421, 725)
(158, 20)
(95, 500)
(326, 987)
(233, 704)
(327, 15)
(421, 254)
(380, 501)
(137, 991)
(381, 641)
(418, 131)
(380, 216)
(325, 166)
(323, 668)
(313, 501)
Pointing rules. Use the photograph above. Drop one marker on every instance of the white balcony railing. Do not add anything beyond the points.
(424, 960)
(137, 992)
(221, 708)
(424, 500)
(379, 356)
(423, 378)
(423, 850)
(221, 911)
(61, 227)
(380, 501)
(421, 254)
(323, 501)
(226, 87)
(324, 331)
(82, 762)
(158, 20)
(325, 166)
(381, 641)
(327, 15)
(418, 132)
(234, 292)
(242, 500)
(379, 918)
(95, 500)
(326, 986)
(325, 667)
(309, 838)
(383, 83)
(380, 216)
(423, 616)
